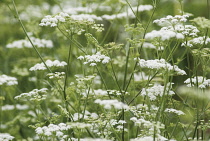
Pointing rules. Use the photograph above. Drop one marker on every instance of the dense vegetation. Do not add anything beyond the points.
(91, 70)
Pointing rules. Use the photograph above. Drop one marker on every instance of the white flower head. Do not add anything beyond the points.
(49, 63)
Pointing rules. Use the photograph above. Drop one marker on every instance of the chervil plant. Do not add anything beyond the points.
(113, 70)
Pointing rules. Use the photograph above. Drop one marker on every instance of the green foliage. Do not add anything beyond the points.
(114, 70)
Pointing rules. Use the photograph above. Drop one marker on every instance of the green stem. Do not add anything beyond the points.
(148, 82)
(67, 70)
(107, 33)
(24, 29)
(115, 77)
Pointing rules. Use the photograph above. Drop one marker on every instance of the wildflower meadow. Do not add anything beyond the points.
(111, 70)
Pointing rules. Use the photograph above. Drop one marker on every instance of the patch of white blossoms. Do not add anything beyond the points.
(197, 41)
(118, 124)
(77, 10)
(40, 43)
(184, 30)
(53, 130)
(100, 92)
(90, 139)
(62, 17)
(151, 138)
(53, 21)
(173, 28)
(171, 110)
(86, 17)
(79, 125)
(163, 35)
(8, 80)
(199, 80)
(160, 65)
(152, 46)
(94, 59)
(12, 107)
(171, 20)
(34, 95)
(156, 91)
(6, 137)
(112, 103)
(49, 63)
(87, 115)
(129, 13)
(56, 75)
(153, 127)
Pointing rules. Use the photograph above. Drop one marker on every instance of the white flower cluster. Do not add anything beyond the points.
(53, 21)
(184, 30)
(12, 107)
(62, 17)
(92, 60)
(40, 43)
(49, 63)
(171, 20)
(151, 138)
(129, 13)
(117, 124)
(86, 17)
(142, 110)
(20, 71)
(33, 11)
(116, 93)
(53, 130)
(173, 28)
(171, 110)
(82, 82)
(200, 80)
(33, 95)
(6, 137)
(80, 125)
(153, 127)
(100, 92)
(156, 91)
(87, 115)
(163, 35)
(8, 80)
(197, 41)
(91, 139)
(160, 65)
(108, 104)
(56, 75)
(77, 10)
(140, 76)
(146, 138)
(152, 46)
(98, 27)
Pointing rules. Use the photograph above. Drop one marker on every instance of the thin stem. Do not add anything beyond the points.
(115, 77)
(24, 29)
(107, 33)
(208, 9)
(67, 70)
(144, 87)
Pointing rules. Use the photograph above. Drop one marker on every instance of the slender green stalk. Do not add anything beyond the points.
(85, 103)
(115, 77)
(24, 29)
(107, 33)
(67, 70)
(102, 79)
(139, 50)
(73, 41)
(148, 82)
